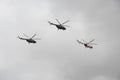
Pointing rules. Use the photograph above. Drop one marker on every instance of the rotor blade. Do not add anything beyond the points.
(91, 41)
(84, 40)
(65, 22)
(79, 42)
(33, 35)
(37, 38)
(66, 25)
(58, 21)
(25, 35)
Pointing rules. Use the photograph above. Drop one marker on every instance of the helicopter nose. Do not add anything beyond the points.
(64, 28)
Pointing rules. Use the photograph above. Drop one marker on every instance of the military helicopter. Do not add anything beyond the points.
(87, 44)
(60, 26)
(28, 39)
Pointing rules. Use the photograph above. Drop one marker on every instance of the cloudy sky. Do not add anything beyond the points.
(58, 56)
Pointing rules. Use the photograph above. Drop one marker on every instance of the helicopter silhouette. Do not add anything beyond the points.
(28, 39)
(59, 25)
(87, 44)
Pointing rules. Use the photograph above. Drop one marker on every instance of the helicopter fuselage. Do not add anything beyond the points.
(30, 41)
(88, 46)
(60, 27)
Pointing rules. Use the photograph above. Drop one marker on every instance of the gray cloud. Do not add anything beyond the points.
(58, 56)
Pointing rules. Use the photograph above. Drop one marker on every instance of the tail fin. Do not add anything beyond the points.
(79, 42)
(18, 37)
(50, 23)
(21, 38)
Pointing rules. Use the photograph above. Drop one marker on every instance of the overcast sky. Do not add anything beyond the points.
(58, 56)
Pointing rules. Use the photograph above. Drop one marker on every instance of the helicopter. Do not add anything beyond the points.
(87, 44)
(28, 39)
(59, 25)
